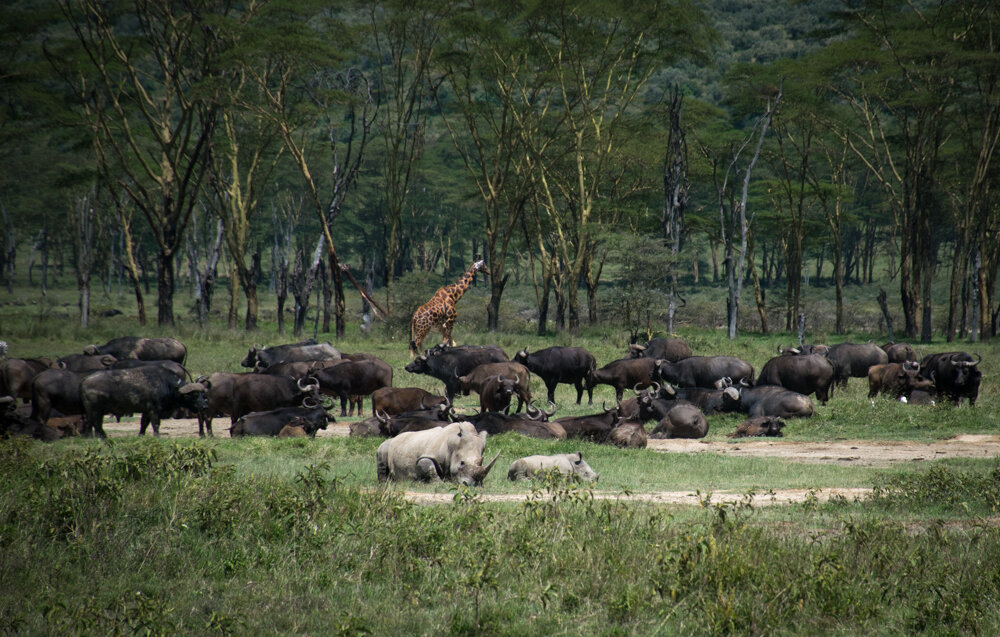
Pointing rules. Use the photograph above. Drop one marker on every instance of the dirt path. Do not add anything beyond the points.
(856, 452)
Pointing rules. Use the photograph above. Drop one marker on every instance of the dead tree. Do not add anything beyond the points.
(676, 194)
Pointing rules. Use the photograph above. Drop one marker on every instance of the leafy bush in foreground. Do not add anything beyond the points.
(146, 537)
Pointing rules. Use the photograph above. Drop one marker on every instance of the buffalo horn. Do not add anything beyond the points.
(309, 402)
(548, 414)
(979, 359)
(532, 411)
(382, 416)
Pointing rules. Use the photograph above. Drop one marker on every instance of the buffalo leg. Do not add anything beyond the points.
(551, 387)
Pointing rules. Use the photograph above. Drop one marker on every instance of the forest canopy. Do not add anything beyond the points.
(657, 146)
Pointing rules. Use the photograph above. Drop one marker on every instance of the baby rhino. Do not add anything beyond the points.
(569, 464)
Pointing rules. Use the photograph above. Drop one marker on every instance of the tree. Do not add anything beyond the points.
(151, 121)
(734, 223)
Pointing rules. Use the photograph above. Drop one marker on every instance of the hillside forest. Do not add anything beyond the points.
(600, 154)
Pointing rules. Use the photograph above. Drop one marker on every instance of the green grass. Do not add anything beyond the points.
(259, 536)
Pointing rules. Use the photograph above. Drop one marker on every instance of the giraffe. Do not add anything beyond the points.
(440, 312)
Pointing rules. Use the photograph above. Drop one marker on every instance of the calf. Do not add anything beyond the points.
(759, 426)
(476, 379)
(568, 464)
(897, 380)
(496, 393)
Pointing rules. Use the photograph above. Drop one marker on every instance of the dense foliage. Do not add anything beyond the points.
(202, 142)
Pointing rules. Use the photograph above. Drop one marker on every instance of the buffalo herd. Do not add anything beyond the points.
(289, 390)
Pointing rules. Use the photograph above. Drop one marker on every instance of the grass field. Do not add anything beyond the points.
(258, 536)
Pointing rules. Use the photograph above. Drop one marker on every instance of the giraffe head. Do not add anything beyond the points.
(480, 266)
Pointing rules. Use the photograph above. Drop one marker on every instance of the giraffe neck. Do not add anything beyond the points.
(458, 288)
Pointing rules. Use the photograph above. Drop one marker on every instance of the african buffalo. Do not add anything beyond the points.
(595, 427)
(682, 421)
(449, 363)
(704, 371)
(353, 380)
(147, 349)
(955, 375)
(16, 375)
(270, 423)
(896, 380)
(806, 374)
(395, 400)
(669, 349)
(152, 390)
(557, 364)
(759, 426)
(771, 400)
(635, 373)
(852, 360)
(310, 350)
(900, 353)
(259, 392)
(477, 378)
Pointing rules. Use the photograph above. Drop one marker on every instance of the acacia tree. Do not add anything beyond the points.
(152, 123)
(484, 71)
(404, 35)
(895, 77)
(599, 59)
(734, 224)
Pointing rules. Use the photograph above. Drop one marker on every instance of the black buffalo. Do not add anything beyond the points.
(853, 360)
(670, 349)
(558, 364)
(260, 392)
(956, 375)
(704, 371)
(806, 374)
(634, 373)
(594, 427)
(151, 390)
(259, 357)
(771, 400)
(147, 349)
(270, 423)
(449, 363)
(351, 381)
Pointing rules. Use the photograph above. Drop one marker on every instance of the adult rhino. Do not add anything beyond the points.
(453, 452)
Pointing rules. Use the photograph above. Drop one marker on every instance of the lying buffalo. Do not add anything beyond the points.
(683, 421)
(759, 426)
(453, 452)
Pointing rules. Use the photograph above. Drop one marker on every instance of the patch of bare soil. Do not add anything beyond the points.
(858, 452)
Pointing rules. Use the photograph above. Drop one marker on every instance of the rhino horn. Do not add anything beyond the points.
(482, 472)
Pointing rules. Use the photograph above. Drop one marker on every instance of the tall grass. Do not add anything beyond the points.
(154, 538)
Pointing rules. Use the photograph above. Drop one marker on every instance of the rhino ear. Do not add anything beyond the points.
(579, 457)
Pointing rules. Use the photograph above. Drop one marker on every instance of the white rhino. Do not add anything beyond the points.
(570, 464)
(453, 452)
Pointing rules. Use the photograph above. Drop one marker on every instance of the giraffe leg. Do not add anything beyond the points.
(446, 329)
(418, 331)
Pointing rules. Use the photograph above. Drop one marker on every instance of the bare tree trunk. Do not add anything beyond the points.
(676, 194)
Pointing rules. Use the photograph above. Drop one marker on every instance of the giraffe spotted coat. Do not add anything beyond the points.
(439, 313)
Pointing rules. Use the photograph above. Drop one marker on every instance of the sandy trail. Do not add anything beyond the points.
(854, 452)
